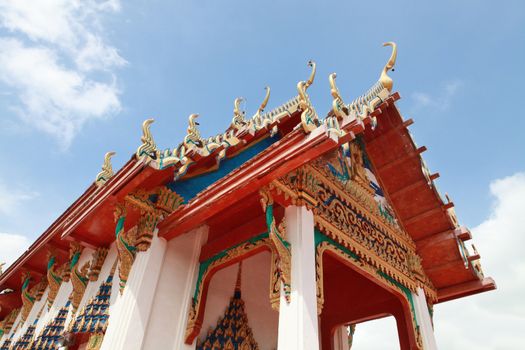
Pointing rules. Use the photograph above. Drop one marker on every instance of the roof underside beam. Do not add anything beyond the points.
(466, 289)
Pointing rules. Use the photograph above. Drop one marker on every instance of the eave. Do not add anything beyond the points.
(422, 213)
(58, 235)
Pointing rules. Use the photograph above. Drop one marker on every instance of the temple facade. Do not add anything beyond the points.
(284, 232)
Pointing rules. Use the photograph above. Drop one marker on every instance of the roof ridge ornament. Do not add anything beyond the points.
(310, 80)
(308, 115)
(238, 120)
(148, 147)
(338, 106)
(193, 136)
(384, 79)
(107, 170)
(265, 101)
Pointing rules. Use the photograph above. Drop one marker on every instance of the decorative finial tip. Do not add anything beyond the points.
(148, 122)
(387, 82)
(148, 147)
(310, 80)
(107, 170)
(239, 278)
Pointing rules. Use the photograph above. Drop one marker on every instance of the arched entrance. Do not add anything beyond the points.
(351, 296)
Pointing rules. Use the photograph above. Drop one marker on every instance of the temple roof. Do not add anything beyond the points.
(223, 171)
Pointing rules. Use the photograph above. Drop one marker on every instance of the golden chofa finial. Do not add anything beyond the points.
(148, 147)
(338, 106)
(303, 85)
(308, 115)
(310, 80)
(107, 170)
(265, 101)
(238, 115)
(384, 79)
(193, 136)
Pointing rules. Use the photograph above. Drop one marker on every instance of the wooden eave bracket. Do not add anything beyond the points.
(463, 233)
(465, 289)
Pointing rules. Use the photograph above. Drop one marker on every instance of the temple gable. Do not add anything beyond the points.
(232, 331)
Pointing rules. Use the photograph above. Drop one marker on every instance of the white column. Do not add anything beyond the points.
(128, 321)
(341, 338)
(424, 320)
(187, 287)
(169, 316)
(298, 324)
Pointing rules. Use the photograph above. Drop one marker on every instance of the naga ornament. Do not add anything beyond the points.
(107, 170)
(54, 278)
(28, 300)
(125, 246)
(384, 79)
(79, 278)
(148, 147)
(308, 115)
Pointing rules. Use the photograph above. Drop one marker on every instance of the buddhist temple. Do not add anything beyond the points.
(285, 231)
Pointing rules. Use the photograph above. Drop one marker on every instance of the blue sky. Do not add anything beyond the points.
(77, 78)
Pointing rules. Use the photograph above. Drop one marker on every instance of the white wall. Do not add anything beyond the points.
(128, 320)
(168, 317)
(255, 292)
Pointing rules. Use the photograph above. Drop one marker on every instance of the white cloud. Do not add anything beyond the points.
(493, 320)
(378, 334)
(488, 321)
(59, 64)
(11, 197)
(440, 101)
(11, 247)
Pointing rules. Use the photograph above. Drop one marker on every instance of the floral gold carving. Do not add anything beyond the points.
(280, 247)
(347, 212)
(97, 260)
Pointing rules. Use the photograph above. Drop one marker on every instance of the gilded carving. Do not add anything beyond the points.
(95, 341)
(384, 79)
(280, 247)
(345, 210)
(167, 200)
(97, 261)
(39, 289)
(153, 206)
(54, 278)
(358, 167)
(308, 115)
(107, 170)
(238, 120)
(147, 148)
(93, 317)
(28, 299)
(79, 277)
(7, 323)
(365, 104)
(338, 106)
(125, 242)
(275, 282)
